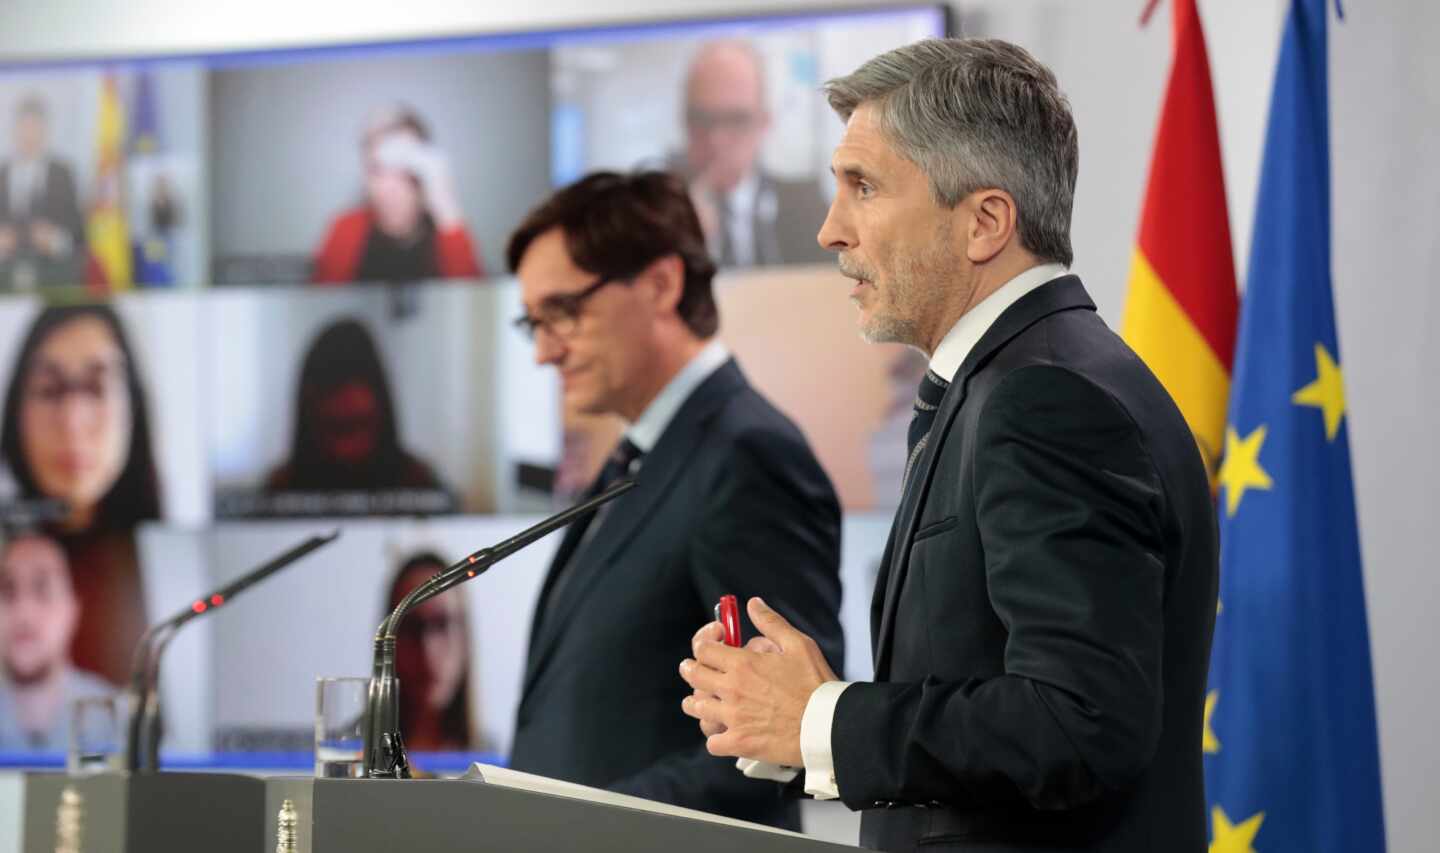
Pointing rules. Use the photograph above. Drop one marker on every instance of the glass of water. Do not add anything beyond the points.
(340, 727)
(96, 725)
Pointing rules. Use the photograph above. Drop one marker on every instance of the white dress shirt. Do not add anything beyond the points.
(27, 180)
(818, 721)
(739, 227)
(645, 432)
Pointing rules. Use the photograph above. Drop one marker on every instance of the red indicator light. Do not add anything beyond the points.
(198, 607)
(216, 600)
(472, 559)
(470, 573)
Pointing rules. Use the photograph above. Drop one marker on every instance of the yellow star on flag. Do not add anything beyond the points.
(1326, 393)
(1211, 744)
(1241, 469)
(1228, 838)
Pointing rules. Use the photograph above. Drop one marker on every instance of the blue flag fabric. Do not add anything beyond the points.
(1291, 758)
(151, 247)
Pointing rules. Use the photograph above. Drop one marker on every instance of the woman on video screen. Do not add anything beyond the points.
(76, 429)
(410, 226)
(346, 437)
(432, 661)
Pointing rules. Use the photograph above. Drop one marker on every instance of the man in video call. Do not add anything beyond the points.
(1042, 620)
(39, 613)
(616, 285)
(42, 231)
(751, 217)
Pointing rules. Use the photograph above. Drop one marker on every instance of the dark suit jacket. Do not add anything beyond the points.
(1042, 623)
(730, 500)
(59, 204)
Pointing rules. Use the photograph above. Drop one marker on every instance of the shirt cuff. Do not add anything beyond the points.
(765, 770)
(815, 728)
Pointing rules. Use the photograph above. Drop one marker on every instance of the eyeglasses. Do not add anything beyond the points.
(99, 383)
(560, 314)
(729, 121)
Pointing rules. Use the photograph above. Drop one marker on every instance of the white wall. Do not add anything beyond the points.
(1385, 118)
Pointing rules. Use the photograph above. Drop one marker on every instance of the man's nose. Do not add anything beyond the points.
(835, 233)
(549, 348)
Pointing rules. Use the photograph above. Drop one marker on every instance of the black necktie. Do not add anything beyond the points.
(617, 465)
(927, 403)
(727, 246)
(620, 463)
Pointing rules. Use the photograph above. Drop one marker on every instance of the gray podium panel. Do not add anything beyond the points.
(421, 816)
(155, 813)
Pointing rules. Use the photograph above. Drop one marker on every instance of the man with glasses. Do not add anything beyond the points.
(616, 284)
(750, 216)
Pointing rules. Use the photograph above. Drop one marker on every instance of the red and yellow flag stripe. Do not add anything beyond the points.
(108, 269)
(1182, 306)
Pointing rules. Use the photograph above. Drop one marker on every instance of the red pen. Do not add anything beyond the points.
(727, 613)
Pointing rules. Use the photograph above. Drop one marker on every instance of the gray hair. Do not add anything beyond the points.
(977, 114)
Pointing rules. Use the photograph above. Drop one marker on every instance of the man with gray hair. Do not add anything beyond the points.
(1042, 620)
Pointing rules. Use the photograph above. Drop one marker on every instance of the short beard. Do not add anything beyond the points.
(915, 290)
(889, 329)
(39, 675)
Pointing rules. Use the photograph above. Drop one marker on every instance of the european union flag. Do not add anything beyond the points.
(1291, 757)
(157, 216)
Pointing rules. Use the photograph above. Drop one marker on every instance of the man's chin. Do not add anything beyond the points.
(880, 329)
(580, 403)
(27, 673)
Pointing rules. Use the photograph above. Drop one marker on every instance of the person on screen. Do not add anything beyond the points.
(346, 436)
(751, 217)
(42, 231)
(39, 614)
(76, 429)
(432, 661)
(410, 226)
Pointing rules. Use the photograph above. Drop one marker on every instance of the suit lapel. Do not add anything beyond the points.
(568, 543)
(1059, 295)
(658, 474)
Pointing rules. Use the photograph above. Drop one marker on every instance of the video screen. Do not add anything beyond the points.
(248, 297)
(388, 167)
(735, 108)
(102, 413)
(101, 179)
(367, 401)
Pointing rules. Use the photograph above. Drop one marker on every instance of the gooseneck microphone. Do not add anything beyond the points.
(384, 749)
(142, 740)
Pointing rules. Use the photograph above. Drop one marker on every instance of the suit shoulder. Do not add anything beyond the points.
(1053, 396)
(749, 418)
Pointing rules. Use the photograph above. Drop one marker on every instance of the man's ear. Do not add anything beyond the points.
(991, 225)
(664, 283)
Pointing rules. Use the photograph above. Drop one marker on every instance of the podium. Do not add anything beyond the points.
(120, 813)
(165, 812)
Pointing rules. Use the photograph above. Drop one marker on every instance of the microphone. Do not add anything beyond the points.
(384, 749)
(142, 741)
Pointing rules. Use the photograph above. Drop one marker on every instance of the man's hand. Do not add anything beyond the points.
(8, 241)
(750, 701)
(48, 238)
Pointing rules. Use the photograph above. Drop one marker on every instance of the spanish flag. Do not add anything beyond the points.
(1180, 314)
(108, 269)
